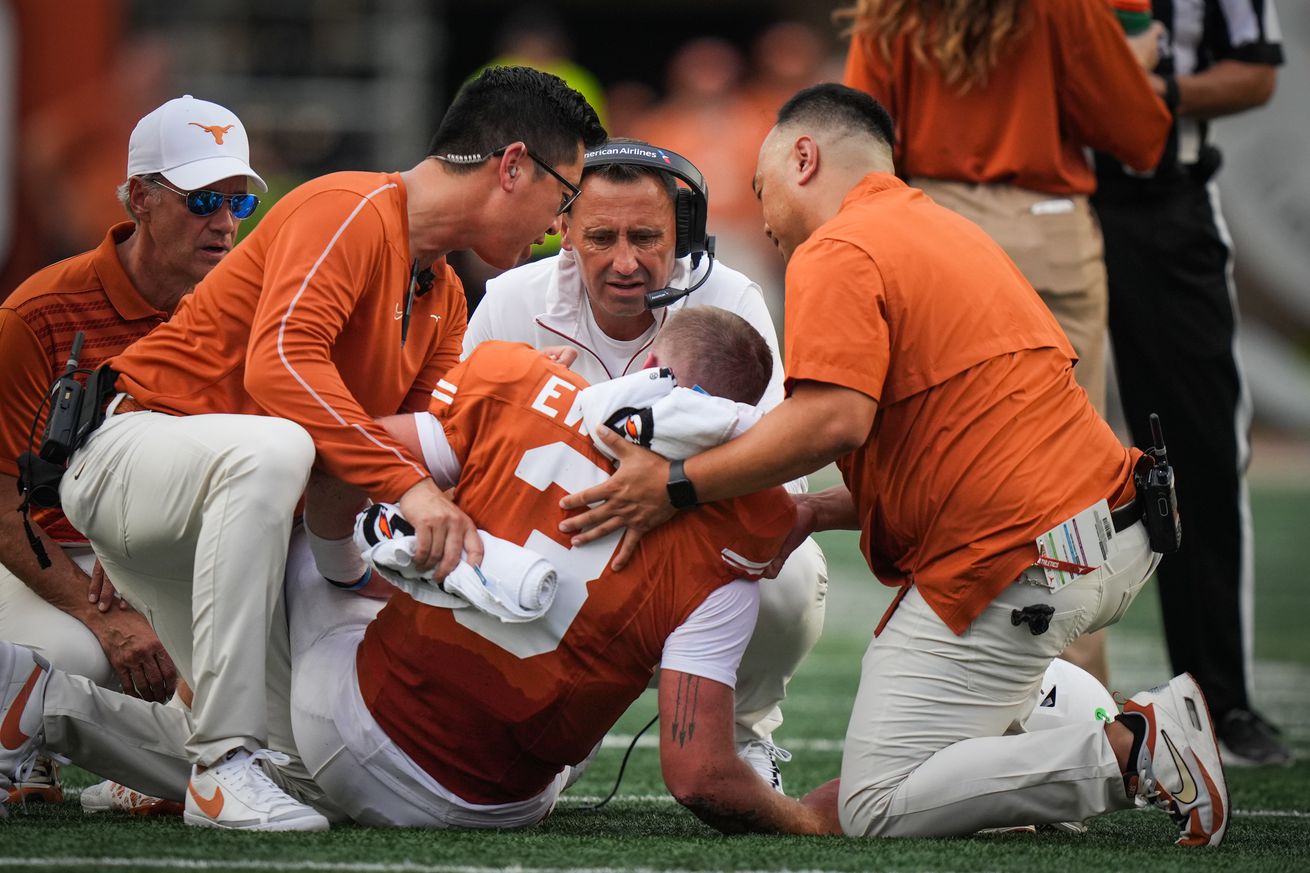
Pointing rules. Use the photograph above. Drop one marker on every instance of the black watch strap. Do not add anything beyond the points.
(681, 492)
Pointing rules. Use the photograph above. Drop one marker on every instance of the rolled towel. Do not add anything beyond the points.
(513, 584)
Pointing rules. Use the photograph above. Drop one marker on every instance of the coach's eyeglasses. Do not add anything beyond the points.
(205, 203)
(566, 199)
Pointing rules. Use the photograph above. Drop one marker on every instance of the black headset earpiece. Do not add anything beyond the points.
(683, 218)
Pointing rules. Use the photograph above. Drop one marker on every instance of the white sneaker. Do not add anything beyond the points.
(763, 756)
(237, 794)
(1178, 767)
(42, 784)
(23, 677)
(110, 796)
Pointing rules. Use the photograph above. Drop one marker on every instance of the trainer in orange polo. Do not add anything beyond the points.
(89, 292)
(960, 354)
(252, 340)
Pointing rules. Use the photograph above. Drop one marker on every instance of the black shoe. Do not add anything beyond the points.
(1250, 740)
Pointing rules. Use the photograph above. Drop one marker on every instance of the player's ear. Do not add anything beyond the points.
(565, 237)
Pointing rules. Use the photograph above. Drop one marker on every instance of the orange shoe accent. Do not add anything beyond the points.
(19, 794)
(213, 130)
(209, 806)
(11, 736)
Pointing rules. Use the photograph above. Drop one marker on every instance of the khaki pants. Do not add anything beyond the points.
(1055, 241)
(190, 517)
(926, 752)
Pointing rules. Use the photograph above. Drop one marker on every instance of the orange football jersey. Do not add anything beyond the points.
(494, 711)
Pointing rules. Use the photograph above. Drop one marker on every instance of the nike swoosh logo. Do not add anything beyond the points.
(435, 317)
(211, 806)
(11, 735)
(1186, 794)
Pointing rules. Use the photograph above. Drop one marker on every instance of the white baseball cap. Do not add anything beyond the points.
(192, 143)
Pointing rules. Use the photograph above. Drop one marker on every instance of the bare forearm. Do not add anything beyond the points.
(62, 584)
(833, 509)
(737, 801)
(809, 430)
(1226, 88)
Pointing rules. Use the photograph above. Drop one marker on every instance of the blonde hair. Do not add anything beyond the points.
(964, 38)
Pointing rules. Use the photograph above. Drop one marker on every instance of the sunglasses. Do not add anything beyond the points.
(204, 203)
(566, 199)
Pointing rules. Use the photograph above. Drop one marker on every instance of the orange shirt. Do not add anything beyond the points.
(982, 439)
(88, 292)
(494, 711)
(302, 321)
(1068, 82)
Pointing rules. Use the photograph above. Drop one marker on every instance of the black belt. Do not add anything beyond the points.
(1126, 516)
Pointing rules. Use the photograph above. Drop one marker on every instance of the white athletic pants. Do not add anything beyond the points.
(926, 753)
(27, 619)
(792, 607)
(348, 755)
(190, 516)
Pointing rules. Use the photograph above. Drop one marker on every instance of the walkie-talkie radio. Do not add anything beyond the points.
(65, 410)
(1154, 479)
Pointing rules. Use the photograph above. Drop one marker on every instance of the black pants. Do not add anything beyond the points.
(1172, 324)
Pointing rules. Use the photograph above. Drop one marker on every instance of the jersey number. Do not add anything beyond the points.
(558, 464)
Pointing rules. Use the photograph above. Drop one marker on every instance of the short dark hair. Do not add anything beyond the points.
(833, 105)
(627, 174)
(718, 350)
(504, 105)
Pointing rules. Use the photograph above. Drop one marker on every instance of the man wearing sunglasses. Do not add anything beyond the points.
(187, 175)
(339, 308)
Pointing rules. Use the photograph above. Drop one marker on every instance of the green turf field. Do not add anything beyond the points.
(644, 830)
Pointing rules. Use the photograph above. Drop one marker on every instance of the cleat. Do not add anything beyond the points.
(236, 794)
(1176, 760)
(110, 796)
(1248, 740)
(23, 677)
(763, 757)
(41, 785)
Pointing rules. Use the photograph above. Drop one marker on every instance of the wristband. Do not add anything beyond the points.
(353, 586)
(336, 559)
(1170, 92)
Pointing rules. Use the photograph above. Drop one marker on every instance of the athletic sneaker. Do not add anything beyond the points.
(237, 794)
(41, 785)
(23, 677)
(763, 756)
(110, 796)
(1176, 759)
(1248, 739)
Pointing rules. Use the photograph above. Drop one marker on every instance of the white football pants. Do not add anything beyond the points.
(926, 753)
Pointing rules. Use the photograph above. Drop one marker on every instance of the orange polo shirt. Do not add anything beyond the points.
(303, 321)
(89, 292)
(1066, 83)
(982, 440)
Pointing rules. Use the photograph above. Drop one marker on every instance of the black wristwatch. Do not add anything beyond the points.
(681, 492)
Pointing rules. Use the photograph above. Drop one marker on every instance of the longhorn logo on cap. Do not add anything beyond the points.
(213, 130)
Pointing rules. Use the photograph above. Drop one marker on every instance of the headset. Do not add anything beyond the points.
(690, 208)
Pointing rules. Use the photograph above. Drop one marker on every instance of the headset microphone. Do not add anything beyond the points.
(662, 297)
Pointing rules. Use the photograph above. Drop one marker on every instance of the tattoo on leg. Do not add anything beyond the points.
(683, 725)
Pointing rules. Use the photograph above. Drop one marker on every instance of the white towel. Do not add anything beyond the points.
(513, 584)
(649, 409)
